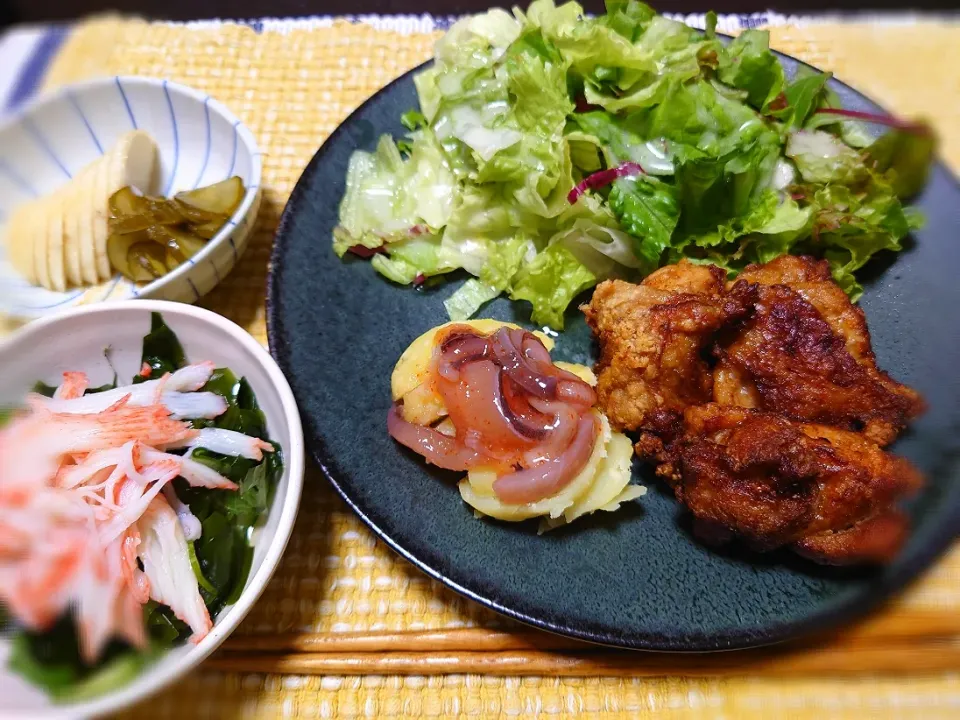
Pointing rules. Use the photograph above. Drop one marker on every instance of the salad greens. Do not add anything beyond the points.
(221, 557)
(551, 151)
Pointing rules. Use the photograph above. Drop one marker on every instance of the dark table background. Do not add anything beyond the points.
(45, 10)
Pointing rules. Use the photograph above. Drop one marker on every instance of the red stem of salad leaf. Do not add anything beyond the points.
(888, 120)
(365, 252)
(602, 178)
(780, 102)
(583, 106)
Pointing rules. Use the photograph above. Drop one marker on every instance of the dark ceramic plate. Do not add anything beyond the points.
(635, 578)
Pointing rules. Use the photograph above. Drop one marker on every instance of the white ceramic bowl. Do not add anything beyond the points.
(200, 141)
(76, 340)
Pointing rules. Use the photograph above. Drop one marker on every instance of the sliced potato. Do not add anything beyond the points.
(222, 198)
(54, 238)
(581, 371)
(612, 478)
(422, 405)
(477, 488)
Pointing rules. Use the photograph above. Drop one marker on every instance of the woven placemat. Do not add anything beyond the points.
(292, 89)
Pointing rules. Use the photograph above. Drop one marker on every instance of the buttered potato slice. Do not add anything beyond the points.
(603, 483)
(610, 487)
(581, 371)
(422, 405)
(477, 489)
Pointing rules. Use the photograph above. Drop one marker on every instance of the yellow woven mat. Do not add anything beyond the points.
(292, 90)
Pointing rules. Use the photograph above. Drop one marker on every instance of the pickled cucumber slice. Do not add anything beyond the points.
(222, 198)
(118, 249)
(131, 163)
(147, 261)
(183, 245)
(130, 212)
(209, 229)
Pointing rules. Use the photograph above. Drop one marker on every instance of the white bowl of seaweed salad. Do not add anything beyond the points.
(151, 464)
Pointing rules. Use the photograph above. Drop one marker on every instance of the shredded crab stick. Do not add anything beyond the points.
(106, 606)
(178, 391)
(166, 562)
(129, 457)
(206, 405)
(32, 448)
(195, 473)
(133, 498)
(180, 405)
(74, 385)
(227, 442)
(89, 520)
(192, 529)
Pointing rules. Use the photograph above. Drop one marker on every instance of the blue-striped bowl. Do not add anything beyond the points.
(200, 141)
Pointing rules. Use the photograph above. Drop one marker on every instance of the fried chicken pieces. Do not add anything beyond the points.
(805, 353)
(774, 482)
(652, 339)
(761, 404)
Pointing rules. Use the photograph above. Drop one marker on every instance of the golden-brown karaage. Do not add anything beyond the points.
(804, 351)
(652, 341)
(761, 403)
(828, 493)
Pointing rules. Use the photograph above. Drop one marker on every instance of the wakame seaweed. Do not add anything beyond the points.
(162, 350)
